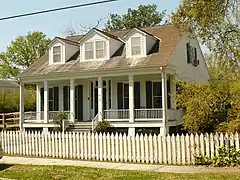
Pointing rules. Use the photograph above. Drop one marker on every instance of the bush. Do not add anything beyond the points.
(226, 157)
(102, 126)
(231, 127)
(58, 121)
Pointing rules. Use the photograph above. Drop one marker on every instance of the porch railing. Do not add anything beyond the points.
(116, 114)
(39, 116)
(148, 114)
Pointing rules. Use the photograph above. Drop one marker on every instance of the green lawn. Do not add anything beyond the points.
(84, 173)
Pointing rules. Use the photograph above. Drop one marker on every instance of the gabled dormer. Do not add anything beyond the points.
(139, 43)
(98, 45)
(60, 50)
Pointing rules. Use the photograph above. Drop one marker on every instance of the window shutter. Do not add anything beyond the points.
(195, 51)
(42, 98)
(149, 94)
(56, 99)
(120, 95)
(169, 94)
(189, 53)
(66, 102)
(137, 95)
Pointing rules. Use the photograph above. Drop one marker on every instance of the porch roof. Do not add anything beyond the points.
(159, 56)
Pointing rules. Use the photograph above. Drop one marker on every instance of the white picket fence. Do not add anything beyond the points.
(117, 148)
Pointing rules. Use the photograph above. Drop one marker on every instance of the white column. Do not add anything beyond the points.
(100, 99)
(72, 100)
(46, 103)
(21, 106)
(131, 131)
(131, 99)
(60, 101)
(164, 129)
(38, 102)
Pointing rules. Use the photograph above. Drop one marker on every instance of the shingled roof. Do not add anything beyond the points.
(169, 35)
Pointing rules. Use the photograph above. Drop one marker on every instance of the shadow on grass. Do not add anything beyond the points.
(5, 166)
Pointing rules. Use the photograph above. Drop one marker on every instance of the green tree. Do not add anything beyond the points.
(142, 16)
(22, 52)
(207, 106)
(217, 23)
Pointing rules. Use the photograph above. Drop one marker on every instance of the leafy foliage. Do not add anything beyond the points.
(58, 120)
(208, 105)
(226, 157)
(9, 101)
(22, 52)
(102, 126)
(142, 16)
(217, 23)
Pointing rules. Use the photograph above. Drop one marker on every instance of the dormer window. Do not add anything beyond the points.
(135, 46)
(95, 50)
(56, 54)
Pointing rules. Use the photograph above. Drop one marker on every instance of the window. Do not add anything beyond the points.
(157, 95)
(53, 98)
(95, 50)
(192, 55)
(89, 50)
(100, 49)
(135, 46)
(126, 96)
(57, 54)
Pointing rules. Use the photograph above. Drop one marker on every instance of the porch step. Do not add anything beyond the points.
(80, 127)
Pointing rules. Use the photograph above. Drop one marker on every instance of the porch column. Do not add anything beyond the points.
(21, 106)
(46, 103)
(100, 98)
(38, 102)
(72, 100)
(131, 131)
(164, 129)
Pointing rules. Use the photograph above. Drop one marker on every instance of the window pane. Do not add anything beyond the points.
(157, 102)
(99, 45)
(126, 90)
(88, 54)
(50, 94)
(126, 103)
(135, 41)
(99, 54)
(57, 58)
(136, 50)
(56, 50)
(157, 89)
(89, 46)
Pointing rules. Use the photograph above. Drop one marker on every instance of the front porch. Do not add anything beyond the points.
(125, 101)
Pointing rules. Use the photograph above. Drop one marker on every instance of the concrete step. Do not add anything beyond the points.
(80, 127)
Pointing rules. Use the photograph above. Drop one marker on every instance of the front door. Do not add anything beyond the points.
(79, 103)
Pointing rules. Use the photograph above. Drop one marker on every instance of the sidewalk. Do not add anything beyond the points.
(121, 166)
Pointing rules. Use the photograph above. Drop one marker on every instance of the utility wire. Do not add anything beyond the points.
(56, 9)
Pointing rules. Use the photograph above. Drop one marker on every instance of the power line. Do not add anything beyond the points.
(56, 9)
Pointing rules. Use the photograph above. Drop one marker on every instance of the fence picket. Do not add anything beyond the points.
(78, 145)
(100, 147)
(138, 149)
(97, 146)
(93, 146)
(169, 150)
(74, 155)
(188, 149)
(142, 148)
(53, 145)
(85, 145)
(43, 144)
(164, 151)
(216, 140)
(155, 148)
(117, 147)
(192, 144)
(113, 147)
(81, 145)
(56, 144)
(197, 144)
(160, 149)
(8, 142)
(63, 145)
(104, 147)
(212, 145)
(151, 153)
(183, 148)
(89, 146)
(178, 149)
(70, 141)
(11, 142)
(120, 148)
(60, 145)
(207, 145)
(226, 139)
(17, 142)
(146, 149)
(108, 147)
(236, 141)
(174, 156)
(14, 143)
(49, 144)
(133, 149)
(202, 145)
(231, 140)
(36, 143)
(125, 148)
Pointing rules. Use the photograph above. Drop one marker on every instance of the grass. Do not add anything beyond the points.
(84, 173)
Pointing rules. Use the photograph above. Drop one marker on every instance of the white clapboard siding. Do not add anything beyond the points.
(174, 149)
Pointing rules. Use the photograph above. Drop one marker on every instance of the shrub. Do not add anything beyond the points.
(231, 127)
(102, 126)
(58, 121)
(226, 157)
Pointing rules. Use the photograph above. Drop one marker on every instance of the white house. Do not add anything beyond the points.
(125, 77)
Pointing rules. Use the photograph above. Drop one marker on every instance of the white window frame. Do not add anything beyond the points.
(60, 53)
(140, 46)
(95, 50)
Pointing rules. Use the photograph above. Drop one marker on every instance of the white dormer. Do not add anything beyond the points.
(138, 43)
(60, 50)
(98, 45)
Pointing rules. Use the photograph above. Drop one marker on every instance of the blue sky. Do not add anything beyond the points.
(54, 24)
